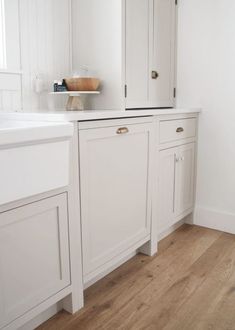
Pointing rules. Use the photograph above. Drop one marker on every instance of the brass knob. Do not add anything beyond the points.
(122, 130)
(155, 75)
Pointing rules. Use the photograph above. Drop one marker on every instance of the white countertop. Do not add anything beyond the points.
(59, 115)
(17, 132)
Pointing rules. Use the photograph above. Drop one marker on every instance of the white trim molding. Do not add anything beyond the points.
(214, 219)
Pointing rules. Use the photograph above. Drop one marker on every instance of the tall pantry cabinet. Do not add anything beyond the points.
(130, 46)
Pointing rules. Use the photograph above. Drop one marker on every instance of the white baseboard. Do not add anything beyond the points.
(214, 219)
(110, 269)
(43, 317)
(170, 230)
(112, 264)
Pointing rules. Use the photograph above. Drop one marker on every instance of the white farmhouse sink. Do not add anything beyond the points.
(34, 158)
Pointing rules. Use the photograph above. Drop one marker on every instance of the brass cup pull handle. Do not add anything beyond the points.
(179, 130)
(122, 130)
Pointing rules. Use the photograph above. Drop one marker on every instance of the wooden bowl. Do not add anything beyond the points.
(82, 84)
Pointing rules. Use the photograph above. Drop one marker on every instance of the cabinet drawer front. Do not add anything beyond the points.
(34, 255)
(173, 130)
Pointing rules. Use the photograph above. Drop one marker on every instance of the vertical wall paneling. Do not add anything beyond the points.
(10, 68)
(10, 92)
(12, 36)
(45, 48)
(2, 36)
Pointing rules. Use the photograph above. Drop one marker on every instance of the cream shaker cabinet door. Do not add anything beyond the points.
(185, 178)
(138, 54)
(176, 184)
(167, 166)
(34, 256)
(163, 61)
(150, 53)
(115, 191)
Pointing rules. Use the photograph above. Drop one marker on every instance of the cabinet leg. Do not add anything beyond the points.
(72, 304)
(150, 248)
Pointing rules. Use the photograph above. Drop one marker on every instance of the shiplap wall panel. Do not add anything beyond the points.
(45, 48)
(10, 101)
(12, 34)
(45, 39)
(10, 92)
(10, 78)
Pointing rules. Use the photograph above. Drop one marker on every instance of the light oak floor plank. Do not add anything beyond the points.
(190, 284)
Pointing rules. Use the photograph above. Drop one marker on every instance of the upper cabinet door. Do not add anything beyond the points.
(150, 53)
(163, 62)
(138, 52)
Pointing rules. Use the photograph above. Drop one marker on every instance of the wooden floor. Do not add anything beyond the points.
(189, 285)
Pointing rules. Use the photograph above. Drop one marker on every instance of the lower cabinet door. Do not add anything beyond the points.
(115, 169)
(176, 184)
(185, 179)
(166, 203)
(34, 255)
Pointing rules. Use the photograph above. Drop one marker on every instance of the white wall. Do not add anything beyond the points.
(10, 78)
(206, 78)
(39, 44)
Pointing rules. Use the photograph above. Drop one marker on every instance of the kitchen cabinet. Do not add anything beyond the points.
(34, 255)
(131, 181)
(176, 176)
(137, 180)
(115, 173)
(130, 45)
(150, 53)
